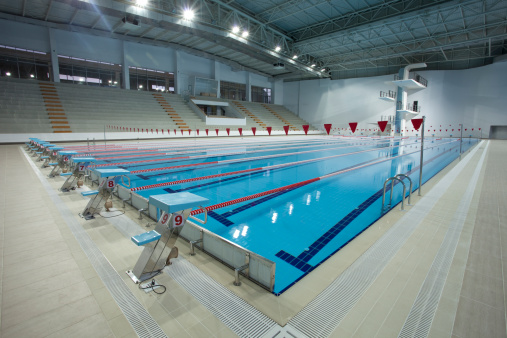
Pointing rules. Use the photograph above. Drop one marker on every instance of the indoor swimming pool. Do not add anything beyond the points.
(294, 202)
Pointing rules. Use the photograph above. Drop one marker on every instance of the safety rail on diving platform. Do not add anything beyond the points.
(399, 178)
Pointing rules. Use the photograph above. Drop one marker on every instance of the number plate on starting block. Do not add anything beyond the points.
(178, 220)
(111, 183)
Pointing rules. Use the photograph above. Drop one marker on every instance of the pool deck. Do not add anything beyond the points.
(436, 269)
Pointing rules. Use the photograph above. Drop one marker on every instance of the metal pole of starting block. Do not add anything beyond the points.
(110, 178)
(159, 243)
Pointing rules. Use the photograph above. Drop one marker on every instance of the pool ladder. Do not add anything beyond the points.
(399, 178)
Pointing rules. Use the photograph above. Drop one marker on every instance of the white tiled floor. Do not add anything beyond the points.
(49, 288)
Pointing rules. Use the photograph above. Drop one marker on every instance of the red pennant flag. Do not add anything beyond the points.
(472, 129)
(452, 129)
(152, 131)
(286, 129)
(305, 128)
(181, 132)
(143, 130)
(197, 130)
(253, 130)
(382, 125)
(156, 130)
(216, 131)
(174, 131)
(240, 131)
(137, 129)
(353, 126)
(189, 131)
(327, 126)
(269, 130)
(228, 130)
(459, 129)
(168, 132)
(479, 128)
(130, 129)
(466, 129)
(206, 132)
(162, 130)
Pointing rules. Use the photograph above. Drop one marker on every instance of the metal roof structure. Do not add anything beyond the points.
(311, 38)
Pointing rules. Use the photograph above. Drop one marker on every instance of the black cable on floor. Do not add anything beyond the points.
(123, 212)
(152, 285)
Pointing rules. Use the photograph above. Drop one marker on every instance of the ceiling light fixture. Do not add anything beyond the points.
(188, 14)
(313, 65)
(295, 57)
(244, 34)
(141, 3)
(278, 48)
(235, 29)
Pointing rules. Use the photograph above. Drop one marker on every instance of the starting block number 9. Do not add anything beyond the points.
(178, 220)
(164, 219)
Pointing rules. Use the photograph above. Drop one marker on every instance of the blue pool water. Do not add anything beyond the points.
(298, 228)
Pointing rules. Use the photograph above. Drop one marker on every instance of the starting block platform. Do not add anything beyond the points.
(159, 243)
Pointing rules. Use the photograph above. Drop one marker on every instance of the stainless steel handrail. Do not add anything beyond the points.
(205, 216)
(410, 187)
(392, 179)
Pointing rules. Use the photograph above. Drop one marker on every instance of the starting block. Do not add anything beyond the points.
(38, 147)
(159, 243)
(50, 155)
(62, 159)
(109, 179)
(81, 163)
(44, 150)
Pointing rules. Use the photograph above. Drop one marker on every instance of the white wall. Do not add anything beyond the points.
(475, 97)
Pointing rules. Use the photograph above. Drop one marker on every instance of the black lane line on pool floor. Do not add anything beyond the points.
(300, 262)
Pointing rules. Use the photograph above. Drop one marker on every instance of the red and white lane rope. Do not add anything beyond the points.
(300, 184)
(217, 153)
(276, 166)
(197, 164)
(233, 160)
(213, 162)
(194, 149)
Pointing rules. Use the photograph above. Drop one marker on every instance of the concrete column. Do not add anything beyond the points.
(216, 75)
(177, 73)
(125, 67)
(277, 92)
(248, 87)
(55, 67)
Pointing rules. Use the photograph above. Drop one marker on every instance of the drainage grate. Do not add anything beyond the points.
(237, 314)
(322, 315)
(421, 315)
(136, 314)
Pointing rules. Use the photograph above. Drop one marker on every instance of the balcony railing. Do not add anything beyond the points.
(414, 76)
(391, 94)
(408, 106)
